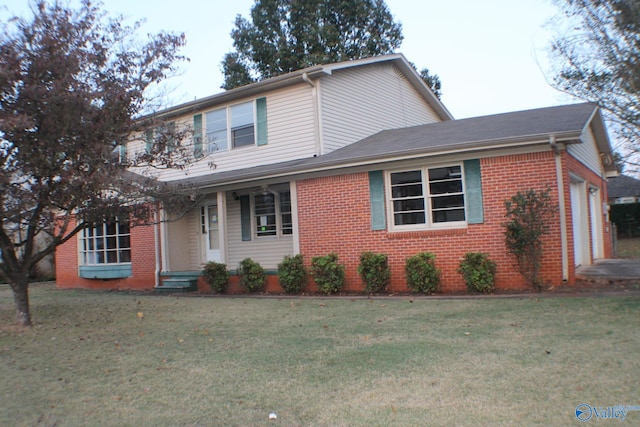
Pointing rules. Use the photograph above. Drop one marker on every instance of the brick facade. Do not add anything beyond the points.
(142, 264)
(334, 216)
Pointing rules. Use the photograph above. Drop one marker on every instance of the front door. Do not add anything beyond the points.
(211, 232)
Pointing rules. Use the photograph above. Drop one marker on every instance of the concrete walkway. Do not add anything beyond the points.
(612, 270)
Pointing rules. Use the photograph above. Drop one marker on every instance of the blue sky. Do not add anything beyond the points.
(490, 55)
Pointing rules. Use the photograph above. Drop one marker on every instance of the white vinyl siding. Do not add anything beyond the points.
(183, 249)
(291, 135)
(587, 152)
(357, 103)
(268, 251)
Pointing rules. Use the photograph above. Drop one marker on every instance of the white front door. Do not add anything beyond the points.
(211, 232)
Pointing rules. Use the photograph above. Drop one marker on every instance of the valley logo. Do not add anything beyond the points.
(585, 412)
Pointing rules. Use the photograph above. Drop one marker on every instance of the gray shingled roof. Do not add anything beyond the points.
(623, 186)
(563, 122)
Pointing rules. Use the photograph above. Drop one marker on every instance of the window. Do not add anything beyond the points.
(239, 125)
(265, 212)
(242, 132)
(272, 212)
(427, 197)
(161, 136)
(106, 243)
(216, 122)
(285, 212)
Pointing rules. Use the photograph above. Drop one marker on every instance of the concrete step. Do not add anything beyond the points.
(177, 284)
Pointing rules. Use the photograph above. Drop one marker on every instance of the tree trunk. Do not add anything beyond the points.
(21, 299)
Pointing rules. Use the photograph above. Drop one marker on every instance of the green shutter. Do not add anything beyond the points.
(122, 152)
(245, 218)
(197, 135)
(261, 123)
(376, 196)
(473, 189)
(148, 139)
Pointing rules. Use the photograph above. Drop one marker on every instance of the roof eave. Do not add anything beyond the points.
(468, 147)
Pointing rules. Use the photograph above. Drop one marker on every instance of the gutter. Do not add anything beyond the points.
(156, 242)
(302, 167)
(316, 114)
(564, 241)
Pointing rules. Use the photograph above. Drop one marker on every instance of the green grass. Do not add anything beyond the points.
(90, 360)
(629, 247)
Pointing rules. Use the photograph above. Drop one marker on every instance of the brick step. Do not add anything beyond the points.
(177, 284)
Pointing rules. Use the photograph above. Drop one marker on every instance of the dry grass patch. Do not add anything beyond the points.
(92, 359)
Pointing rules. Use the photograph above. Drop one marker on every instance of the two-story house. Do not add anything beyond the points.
(359, 156)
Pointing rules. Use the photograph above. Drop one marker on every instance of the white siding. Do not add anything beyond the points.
(587, 152)
(360, 102)
(290, 136)
(183, 240)
(267, 251)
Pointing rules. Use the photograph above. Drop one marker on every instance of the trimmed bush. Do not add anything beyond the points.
(216, 275)
(374, 270)
(292, 275)
(528, 216)
(252, 276)
(422, 274)
(328, 273)
(478, 272)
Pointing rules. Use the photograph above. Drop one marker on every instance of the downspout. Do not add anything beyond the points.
(316, 113)
(564, 241)
(156, 244)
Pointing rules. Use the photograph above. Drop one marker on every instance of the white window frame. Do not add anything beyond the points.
(280, 229)
(429, 224)
(229, 129)
(89, 243)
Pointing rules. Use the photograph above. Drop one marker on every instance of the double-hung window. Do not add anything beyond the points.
(239, 125)
(216, 125)
(272, 213)
(108, 242)
(242, 130)
(427, 198)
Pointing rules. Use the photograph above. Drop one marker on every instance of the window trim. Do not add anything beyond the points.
(229, 129)
(83, 251)
(429, 224)
(280, 229)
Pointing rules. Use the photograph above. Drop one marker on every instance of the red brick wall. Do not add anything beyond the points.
(142, 264)
(334, 216)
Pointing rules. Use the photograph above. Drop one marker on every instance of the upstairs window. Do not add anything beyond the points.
(216, 125)
(240, 125)
(242, 129)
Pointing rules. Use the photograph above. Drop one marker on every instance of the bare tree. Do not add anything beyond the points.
(596, 55)
(73, 87)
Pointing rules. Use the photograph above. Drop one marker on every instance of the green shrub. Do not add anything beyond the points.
(328, 273)
(422, 274)
(216, 275)
(292, 275)
(374, 270)
(528, 216)
(478, 271)
(251, 274)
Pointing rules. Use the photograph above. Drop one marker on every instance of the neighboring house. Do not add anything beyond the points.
(360, 156)
(624, 201)
(623, 190)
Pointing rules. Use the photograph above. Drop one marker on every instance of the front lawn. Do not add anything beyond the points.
(118, 359)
